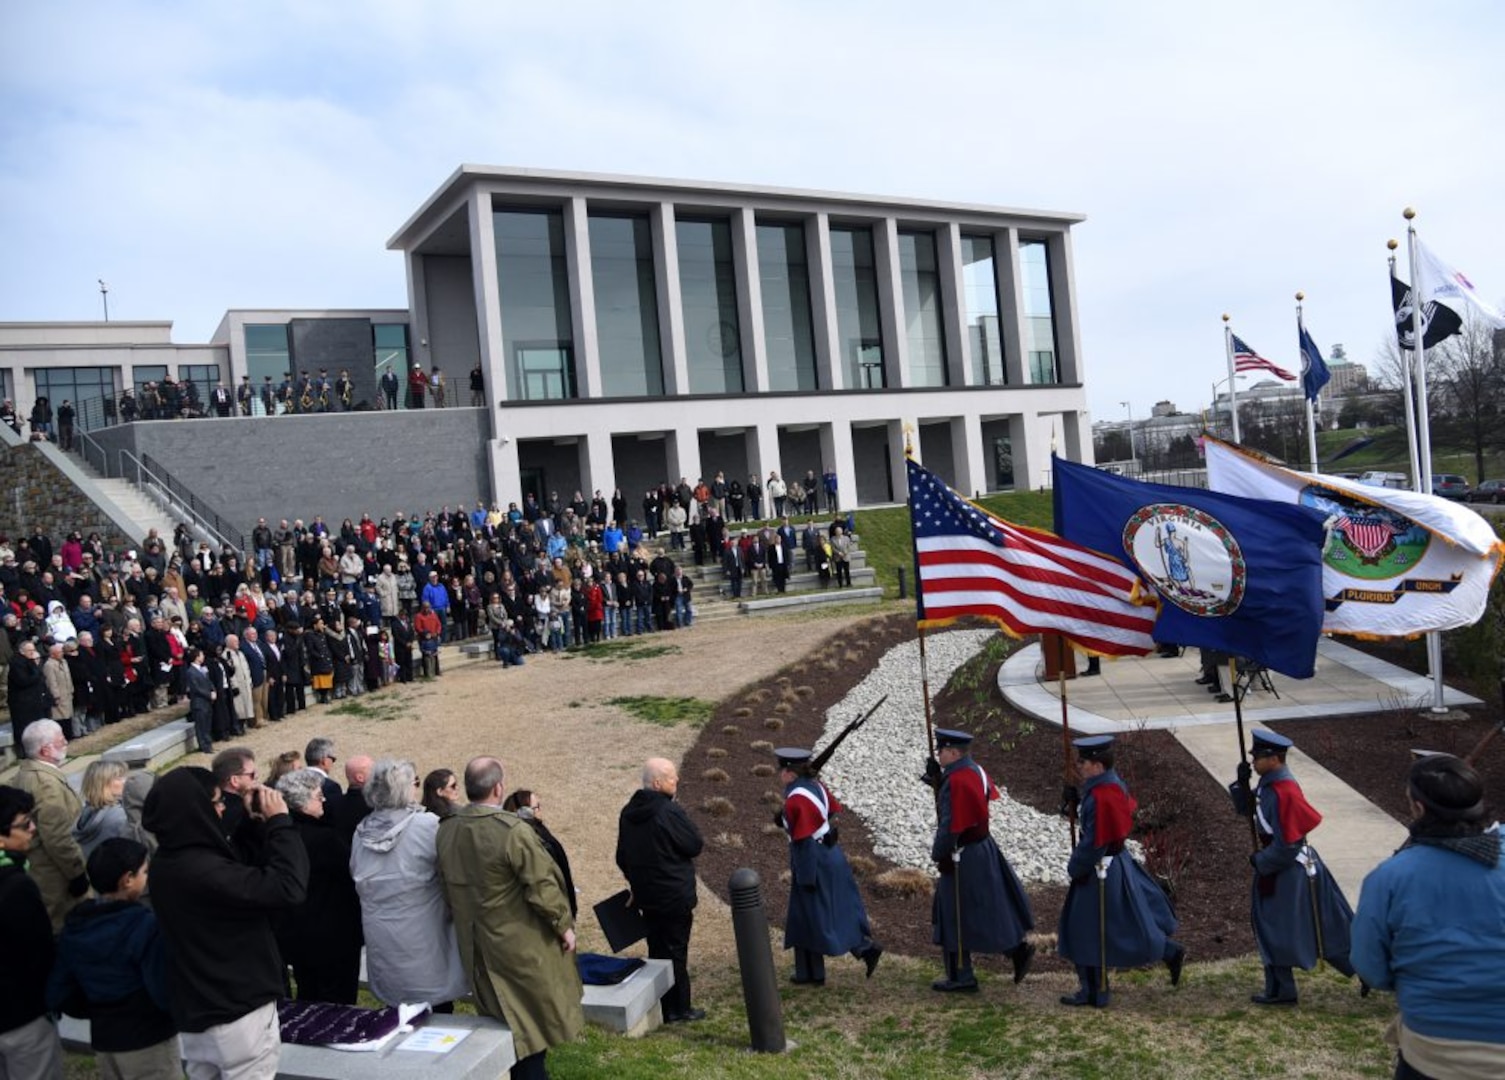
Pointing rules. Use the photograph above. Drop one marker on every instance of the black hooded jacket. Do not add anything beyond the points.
(656, 847)
(216, 911)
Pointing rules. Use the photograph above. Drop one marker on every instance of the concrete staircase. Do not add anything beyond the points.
(142, 509)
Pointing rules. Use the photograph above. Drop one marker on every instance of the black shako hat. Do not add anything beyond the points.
(1093, 747)
(792, 757)
(945, 737)
(1268, 742)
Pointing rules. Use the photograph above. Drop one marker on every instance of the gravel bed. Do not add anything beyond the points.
(875, 771)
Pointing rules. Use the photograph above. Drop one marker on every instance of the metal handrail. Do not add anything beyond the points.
(180, 498)
(85, 440)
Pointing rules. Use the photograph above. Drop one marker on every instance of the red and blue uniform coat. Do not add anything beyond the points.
(979, 904)
(825, 909)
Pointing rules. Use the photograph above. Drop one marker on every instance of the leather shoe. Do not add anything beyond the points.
(803, 982)
(871, 958)
(1204, 681)
(1364, 989)
(1173, 964)
(1077, 1000)
(955, 986)
(1267, 999)
(686, 1017)
(1024, 958)
(1223, 699)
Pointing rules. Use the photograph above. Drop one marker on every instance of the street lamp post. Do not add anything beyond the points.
(104, 296)
(1232, 404)
(1133, 458)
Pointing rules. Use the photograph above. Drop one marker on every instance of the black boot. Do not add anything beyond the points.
(1023, 957)
(959, 976)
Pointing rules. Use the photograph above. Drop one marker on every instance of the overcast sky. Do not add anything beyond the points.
(201, 156)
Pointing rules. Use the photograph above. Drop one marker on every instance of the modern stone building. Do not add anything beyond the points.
(633, 330)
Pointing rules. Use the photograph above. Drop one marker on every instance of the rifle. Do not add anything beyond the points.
(825, 755)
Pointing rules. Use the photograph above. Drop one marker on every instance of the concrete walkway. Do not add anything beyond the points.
(1160, 693)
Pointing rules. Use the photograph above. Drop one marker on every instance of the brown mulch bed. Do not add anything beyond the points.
(1191, 834)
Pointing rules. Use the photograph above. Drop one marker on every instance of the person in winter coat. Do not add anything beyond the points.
(411, 950)
(57, 862)
(29, 1044)
(657, 844)
(528, 806)
(26, 689)
(242, 704)
(112, 967)
(103, 815)
(225, 973)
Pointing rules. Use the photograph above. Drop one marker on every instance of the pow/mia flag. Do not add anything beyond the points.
(1438, 321)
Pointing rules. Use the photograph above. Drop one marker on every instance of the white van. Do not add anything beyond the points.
(1386, 480)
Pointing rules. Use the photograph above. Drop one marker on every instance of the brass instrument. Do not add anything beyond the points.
(306, 402)
(347, 393)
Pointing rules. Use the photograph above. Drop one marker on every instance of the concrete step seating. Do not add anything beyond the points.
(155, 746)
(792, 601)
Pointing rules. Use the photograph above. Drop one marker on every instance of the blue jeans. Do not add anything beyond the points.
(263, 558)
(682, 615)
(625, 616)
(645, 619)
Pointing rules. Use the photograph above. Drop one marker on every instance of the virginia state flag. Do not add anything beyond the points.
(1242, 576)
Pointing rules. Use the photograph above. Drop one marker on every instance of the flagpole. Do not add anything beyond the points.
(1311, 417)
(1423, 482)
(1405, 369)
(925, 693)
(1066, 775)
(1238, 716)
(1232, 388)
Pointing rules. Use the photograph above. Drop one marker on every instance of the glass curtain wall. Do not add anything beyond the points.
(267, 352)
(708, 294)
(91, 390)
(920, 279)
(626, 306)
(1039, 318)
(859, 331)
(788, 328)
(980, 294)
(534, 287)
(202, 377)
(389, 349)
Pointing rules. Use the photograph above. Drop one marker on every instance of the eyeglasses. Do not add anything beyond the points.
(248, 775)
(25, 821)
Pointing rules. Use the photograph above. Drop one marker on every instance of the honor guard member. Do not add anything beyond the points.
(1115, 916)
(826, 916)
(979, 904)
(1298, 911)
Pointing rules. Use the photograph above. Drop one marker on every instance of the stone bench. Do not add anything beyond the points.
(485, 1054)
(630, 1008)
(476, 650)
(155, 746)
(794, 601)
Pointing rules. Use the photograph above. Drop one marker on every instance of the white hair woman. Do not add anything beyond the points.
(411, 951)
(103, 814)
(321, 938)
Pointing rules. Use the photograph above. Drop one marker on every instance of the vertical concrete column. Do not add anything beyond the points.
(906, 427)
(948, 254)
(1063, 307)
(598, 468)
(682, 451)
(891, 303)
(966, 453)
(1077, 438)
(1031, 454)
(836, 447)
(418, 328)
(501, 451)
(1010, 305)
(749, 301)
(828, 357)
(671, 312)
(577, 257)
(763, 453)
(506, 475)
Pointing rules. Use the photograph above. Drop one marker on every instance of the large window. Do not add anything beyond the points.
(626, 306)
(389, 350)
(534, 287)
(980, 290)
(1039, 319)
(708, 293)
(788, 329)
(91, 390)
(921, 281)
(858, 328)
(267, 352)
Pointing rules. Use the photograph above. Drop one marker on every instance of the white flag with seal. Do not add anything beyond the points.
(1439, 281)
(1396, 564)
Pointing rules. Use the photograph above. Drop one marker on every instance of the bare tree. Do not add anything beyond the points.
(1466, 387)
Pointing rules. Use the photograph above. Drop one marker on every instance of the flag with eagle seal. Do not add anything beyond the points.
(1397, 563)
(1240, 576)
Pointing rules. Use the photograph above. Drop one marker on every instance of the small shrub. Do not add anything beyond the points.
(772, 798)
(763, 769)
(786, 878)
(730, 729)
(804, 691)
(760, 745)
(717, 806)
(902, 882)
(715, 776)
(773, 723)
(743, 713)
(770, 829)
(783, 708)
(783, 680)
(757, 697)
(715, 752)
(728, 840)
(830, 665)
(863, 868)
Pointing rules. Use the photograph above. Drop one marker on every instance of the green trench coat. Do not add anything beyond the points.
(510, 911)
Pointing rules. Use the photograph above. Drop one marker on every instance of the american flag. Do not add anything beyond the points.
(1246, 359)
(1027, 580)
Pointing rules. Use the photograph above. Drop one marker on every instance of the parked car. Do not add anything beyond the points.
(1449, 486)
(1490, 491)
(1397, 480)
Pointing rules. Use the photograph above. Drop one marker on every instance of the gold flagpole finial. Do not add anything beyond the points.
(908, 440)
(1392, 244)
(1052, 438)
(1226, 316)
(1300, 296)
(1408, 213)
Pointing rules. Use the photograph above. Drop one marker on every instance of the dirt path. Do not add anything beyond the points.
(550, 723)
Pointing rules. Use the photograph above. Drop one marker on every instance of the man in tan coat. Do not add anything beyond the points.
(512, 916)
(57, 862)
(59, 687)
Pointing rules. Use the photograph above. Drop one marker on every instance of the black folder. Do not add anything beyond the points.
(622, 923)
